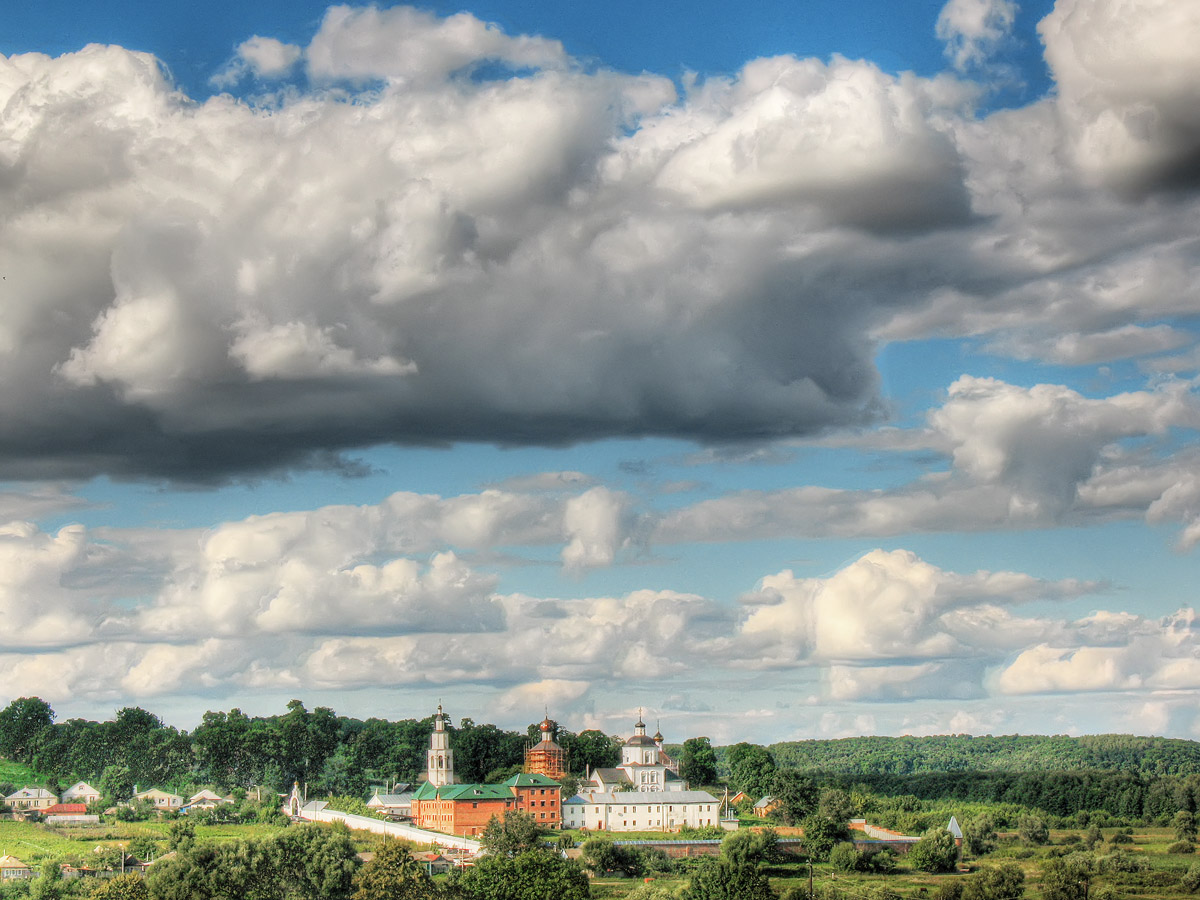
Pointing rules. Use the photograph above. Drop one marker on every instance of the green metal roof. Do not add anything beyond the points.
(525, 780)
(475, 792)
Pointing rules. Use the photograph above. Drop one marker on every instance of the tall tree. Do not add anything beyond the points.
(594, 750)
(753, 772)
(22, 723)
(393, 874)
(516, 833)
(796, 796)
(698, 762)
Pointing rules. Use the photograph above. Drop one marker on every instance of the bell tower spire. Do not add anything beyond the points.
(440, 758)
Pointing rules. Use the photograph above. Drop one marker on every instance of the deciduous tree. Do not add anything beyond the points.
(1184, 824)
(698, 762)
(515, 833)
(532, 875)
(393, 874)
(979, 835)
(719, 879)
(753, 772)
(22, 722)
(1003, 882)
(1033, 830)
(934, 852)
(796, 797)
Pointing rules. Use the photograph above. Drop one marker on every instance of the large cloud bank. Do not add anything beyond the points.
(402, 246)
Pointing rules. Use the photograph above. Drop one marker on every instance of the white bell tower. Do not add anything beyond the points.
(440, 759)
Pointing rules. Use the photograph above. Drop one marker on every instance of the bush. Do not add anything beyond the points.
(844, 858)
(1033, 830)
(1191, 881)
(1121, 862)
(1184, 824)
(934, 852)
(1182, 847)
(1121, 837)
(881, 861)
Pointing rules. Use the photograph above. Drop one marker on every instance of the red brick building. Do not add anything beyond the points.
(465, 809)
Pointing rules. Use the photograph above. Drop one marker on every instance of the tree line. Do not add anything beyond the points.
(1145, 756)
(329, 753)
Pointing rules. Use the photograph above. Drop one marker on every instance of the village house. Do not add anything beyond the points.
(31, 799)
(204, 799)
(395, 804)
(69, 814)
(159, 799)
(766, 806)
(12, 869)
(434, 863)
(80, 792)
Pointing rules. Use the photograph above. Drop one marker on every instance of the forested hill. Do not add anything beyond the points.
(1147, 756)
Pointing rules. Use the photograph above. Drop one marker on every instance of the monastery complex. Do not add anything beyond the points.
(643, 793)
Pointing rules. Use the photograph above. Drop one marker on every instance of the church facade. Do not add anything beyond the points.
(643, 793)
(645, 766)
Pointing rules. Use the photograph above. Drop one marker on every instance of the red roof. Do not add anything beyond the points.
(65, 809)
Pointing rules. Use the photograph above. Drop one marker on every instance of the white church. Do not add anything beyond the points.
(643, 793)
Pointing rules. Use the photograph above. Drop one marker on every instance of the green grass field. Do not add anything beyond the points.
(32, 843)
(1158, 880)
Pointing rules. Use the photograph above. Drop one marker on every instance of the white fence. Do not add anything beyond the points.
(317, 812)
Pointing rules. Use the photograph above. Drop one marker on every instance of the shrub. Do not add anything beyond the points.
(1191, 881)
(1033, 830)
(844, 858)
(1182, 847)
(1120, 862)
(934, 852)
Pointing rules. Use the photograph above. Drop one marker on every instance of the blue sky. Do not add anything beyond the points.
(810, 370)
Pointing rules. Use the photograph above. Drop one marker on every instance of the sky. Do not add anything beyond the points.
(811, 369)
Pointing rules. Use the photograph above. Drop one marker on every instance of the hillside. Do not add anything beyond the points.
(1146, 756)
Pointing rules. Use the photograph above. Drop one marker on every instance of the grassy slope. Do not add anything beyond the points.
(19, 774)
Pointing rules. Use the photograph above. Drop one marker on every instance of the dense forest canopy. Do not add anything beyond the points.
(986, 753)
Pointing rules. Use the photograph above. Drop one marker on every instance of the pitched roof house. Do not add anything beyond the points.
(12, 868)
(393, 804)
(160, 799)
(32, 798)
(80, 792)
